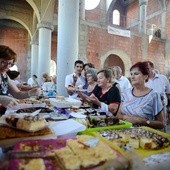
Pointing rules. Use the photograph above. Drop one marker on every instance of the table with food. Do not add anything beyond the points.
(64, 133)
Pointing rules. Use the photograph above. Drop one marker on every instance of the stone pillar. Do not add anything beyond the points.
(82, 9)
(34, 58)
(44, 51)
(142, 15)
(67, 47)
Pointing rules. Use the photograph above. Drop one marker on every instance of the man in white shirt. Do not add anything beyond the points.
(32, 81)
(75, 79)
(158, 82)
(123, 81)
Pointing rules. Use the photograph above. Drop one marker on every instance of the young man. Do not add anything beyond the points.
(75, 79)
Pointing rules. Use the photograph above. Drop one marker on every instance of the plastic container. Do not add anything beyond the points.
(123, 125)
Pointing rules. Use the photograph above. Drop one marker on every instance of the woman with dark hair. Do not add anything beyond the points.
(87, 66)
(7, 59)
(104, 96)
(140, 104)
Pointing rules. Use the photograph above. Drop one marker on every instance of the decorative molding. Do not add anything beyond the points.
(143, 2)
(47, 25)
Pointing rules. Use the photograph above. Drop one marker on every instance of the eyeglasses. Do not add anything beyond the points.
(6, 63)
(88, 75)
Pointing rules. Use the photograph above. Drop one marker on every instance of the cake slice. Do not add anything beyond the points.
(32, 124)
(33, 164)
(67, 159)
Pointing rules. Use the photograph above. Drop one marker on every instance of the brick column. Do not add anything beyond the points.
(34, 57)
(67, 47)
(44, 56)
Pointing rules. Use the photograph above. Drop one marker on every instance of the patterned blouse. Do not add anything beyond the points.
(147, 106)
(3, 84)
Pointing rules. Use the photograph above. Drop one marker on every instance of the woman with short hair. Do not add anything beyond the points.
(140, 104)
(105, 96)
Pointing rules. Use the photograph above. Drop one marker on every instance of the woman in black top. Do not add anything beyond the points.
(104, 96)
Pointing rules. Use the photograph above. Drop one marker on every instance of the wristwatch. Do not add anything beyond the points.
(148, 122)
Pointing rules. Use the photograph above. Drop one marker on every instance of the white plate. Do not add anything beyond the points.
(67, 103)
(65, 127)
(78, 115)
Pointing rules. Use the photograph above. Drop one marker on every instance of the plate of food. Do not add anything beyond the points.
(146, 141)
(66, 153)
(33, 109)
(28, 123)
(66, 103)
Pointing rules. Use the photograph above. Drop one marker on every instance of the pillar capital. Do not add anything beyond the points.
(143, 2)
(47, 25)
(34, 42)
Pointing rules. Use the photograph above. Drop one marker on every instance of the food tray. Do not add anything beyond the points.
(44, 146)
(33, 109)
(142, 152)
(146, 153)
(124, 125)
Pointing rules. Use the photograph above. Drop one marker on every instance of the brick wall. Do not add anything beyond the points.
(17, 39)
(99, 41)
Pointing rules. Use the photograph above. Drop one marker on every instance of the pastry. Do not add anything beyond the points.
(27, 123)
(137, 138)
(33, 164)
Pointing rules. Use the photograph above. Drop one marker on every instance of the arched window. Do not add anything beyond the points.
(52, 67)
(116, 17)
(91, 4)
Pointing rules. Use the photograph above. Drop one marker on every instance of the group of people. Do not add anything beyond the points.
(140, 101)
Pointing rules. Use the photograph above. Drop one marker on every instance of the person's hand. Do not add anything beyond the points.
(34, 92)
(75, 77)
(8, 102)
(94, 100)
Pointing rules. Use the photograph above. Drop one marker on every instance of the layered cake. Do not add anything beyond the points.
(27, 123)
(137, 138)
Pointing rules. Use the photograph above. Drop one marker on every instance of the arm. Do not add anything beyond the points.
(83, 96)
(70, 82)
(15, 92)
(112, 107)
(7, 101)
(24, 87)
(137, 120)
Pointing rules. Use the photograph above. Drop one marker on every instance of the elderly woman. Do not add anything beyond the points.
(104, 96)
(91, 77)
(141, 105)
(7, 59)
